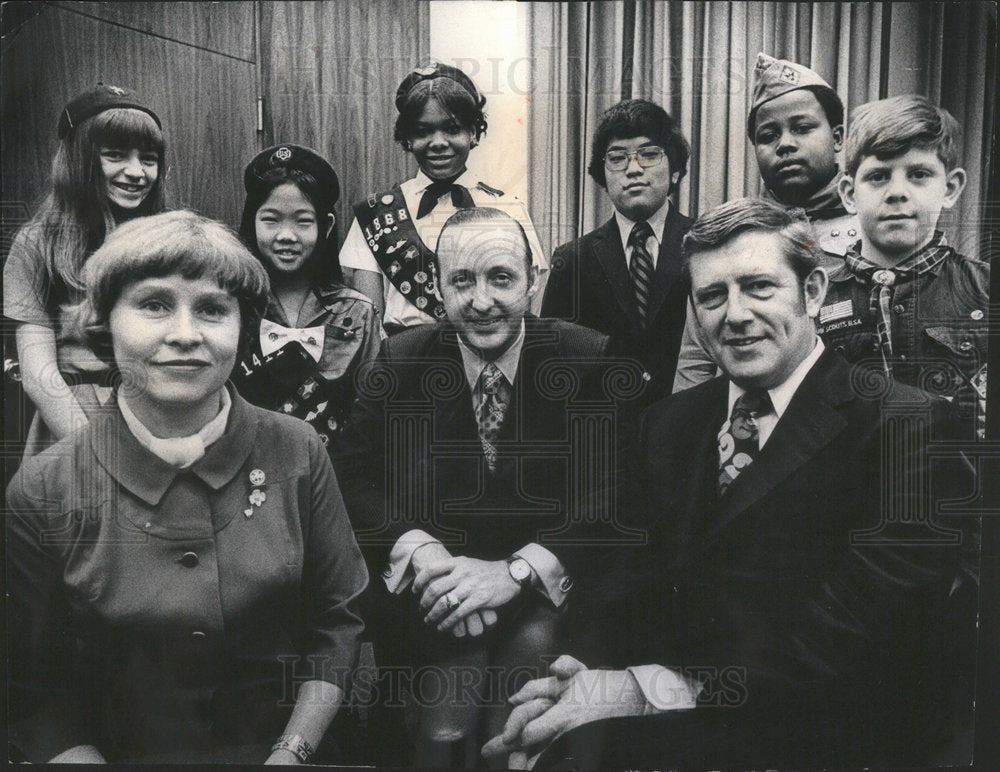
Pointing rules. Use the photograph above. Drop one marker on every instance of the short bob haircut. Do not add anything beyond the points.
(722, 224)
(639, 118)
(324, 263)
(889, 128)
(829, 101)
(452, 97)
(178, 242)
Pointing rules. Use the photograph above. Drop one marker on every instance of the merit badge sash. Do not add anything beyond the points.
(403, 257)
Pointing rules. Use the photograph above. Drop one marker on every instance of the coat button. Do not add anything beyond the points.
(647, 377)
(902, 357)
(566, 584)
(198, 636)
(898, 308)
(965, 345)
(189, 560)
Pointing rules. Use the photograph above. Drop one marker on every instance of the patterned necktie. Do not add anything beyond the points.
(460, 197)
(738, 440)
(641, 266)
(883, 282)
(494, 397)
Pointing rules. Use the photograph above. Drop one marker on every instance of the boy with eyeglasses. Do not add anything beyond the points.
(624, 278)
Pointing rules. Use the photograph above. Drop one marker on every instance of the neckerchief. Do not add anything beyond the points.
(883, 282)
(824, 204)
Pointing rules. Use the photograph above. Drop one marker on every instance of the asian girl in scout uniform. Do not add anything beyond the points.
(183, 578)
(388, 248)
(108, 168)
(316, 332)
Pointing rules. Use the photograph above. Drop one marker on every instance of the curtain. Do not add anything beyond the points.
(329, 73)
(696, 59)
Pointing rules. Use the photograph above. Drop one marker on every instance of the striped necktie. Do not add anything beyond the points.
(641, 267)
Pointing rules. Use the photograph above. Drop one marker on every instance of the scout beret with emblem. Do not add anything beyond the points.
(774, 77)
(293, 157)
(437, 70)
(98, 99)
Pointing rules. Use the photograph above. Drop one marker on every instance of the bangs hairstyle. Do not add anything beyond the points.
(892, 127)
(722, 224)
(324, 263)
(76, 216)
(454, 100)
(639, 118)
(179, 242)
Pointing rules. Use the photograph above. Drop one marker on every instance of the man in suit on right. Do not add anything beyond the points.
(624, 278)
(795, 602)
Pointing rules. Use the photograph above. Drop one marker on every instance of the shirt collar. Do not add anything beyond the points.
(656, 221)
(781, 395)
(507, 361)
(466, 179)
(181, 452)
(147, 476)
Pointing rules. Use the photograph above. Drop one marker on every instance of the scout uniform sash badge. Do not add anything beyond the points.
(403, 257)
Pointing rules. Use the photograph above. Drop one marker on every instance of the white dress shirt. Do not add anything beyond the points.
(657, 222)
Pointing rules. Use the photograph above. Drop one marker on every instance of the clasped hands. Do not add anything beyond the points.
(548, 707)
(460, 594)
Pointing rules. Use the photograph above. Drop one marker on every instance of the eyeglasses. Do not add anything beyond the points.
(617, 160)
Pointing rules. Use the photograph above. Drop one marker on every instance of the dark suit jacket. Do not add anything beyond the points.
(590, 284)
(410, 456)
(820, 625)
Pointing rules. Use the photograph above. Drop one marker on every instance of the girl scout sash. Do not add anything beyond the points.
(404, 259)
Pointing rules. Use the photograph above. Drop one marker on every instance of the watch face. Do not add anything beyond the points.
(520, 570)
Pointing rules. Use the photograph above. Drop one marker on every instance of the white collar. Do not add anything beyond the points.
(507, 361)
(466, 179)
(656, 221)
(181, 452)
(781, 395)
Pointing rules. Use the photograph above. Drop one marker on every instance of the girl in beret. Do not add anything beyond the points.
(388, 250)
(315, 332)
(108, 168)
(182, 576)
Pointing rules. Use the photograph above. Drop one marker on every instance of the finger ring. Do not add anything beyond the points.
(450, 601)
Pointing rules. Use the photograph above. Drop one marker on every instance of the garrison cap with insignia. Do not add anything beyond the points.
(98, 99)
(774, 77)
(293, 157)
(437, 70)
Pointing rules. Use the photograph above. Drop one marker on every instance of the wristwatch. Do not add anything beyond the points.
(520, 570)
(294, 743)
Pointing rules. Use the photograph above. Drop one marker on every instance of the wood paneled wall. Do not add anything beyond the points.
(329, 76)
(192, 62)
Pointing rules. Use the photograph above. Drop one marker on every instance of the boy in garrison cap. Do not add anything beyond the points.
(796, 125)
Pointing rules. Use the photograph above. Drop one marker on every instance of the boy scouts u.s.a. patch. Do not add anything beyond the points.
(835, 311)
(790, 75)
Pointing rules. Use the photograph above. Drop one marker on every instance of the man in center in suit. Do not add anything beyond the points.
(458, 464)
(624, 278)
(794, 602)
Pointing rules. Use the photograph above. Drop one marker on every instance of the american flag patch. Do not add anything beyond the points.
(835, 311)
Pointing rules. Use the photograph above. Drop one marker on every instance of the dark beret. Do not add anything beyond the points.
(97, 100)
(437, 70)
(293, 157)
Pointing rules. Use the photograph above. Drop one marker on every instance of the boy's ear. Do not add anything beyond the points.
(331, 221)
(838, 138)
(954, 185)
(846, 190)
